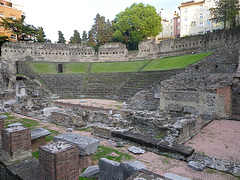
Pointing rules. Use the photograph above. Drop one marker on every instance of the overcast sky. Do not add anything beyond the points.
(70, 15)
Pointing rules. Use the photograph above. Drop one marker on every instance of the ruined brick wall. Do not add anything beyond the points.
(201, 89)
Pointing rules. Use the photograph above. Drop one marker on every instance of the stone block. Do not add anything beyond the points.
(48, 111)
(196, 165)
(119, 144)
(130, 167)
(144, 174)
(109, 170)
(91, 172)
(86, 146)
(136, 150)
(38, 133)
(166, 146)
(3, 117)
(137, 138)
(14, 125)
(175, 177)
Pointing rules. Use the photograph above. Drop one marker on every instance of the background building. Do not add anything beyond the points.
(7, 9)
(195, 17)
(168, 25)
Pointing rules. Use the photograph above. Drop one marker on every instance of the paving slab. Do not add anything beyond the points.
(86, 145)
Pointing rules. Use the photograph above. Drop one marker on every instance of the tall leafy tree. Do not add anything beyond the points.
(225, 11)
(84, 38)
(18, 27)
(61, 38)
(75, 39)
(137, 22)
(109, 30)
(91, 39)
(41, 35)
(100, 33)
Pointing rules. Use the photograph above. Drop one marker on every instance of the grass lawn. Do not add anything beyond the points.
(75, 68)
(24, 121)
(43, 68)
(176, 62)
(111, 154)
(110, 67)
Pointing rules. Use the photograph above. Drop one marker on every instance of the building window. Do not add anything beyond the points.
(200, 7)
(178, 20)
(12, 16)
(185, 26)
(193, 23)
(200, 16)
(201, 24)
(186, 10)
(185, 18)
(13, 36)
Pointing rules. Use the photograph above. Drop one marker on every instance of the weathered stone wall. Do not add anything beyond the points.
(201, 42)
(114, 51)
(204, 88)
(176, 127)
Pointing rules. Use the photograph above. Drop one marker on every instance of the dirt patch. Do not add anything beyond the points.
(100, 103)
(219, 139)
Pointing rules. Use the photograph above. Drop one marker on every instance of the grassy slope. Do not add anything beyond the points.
(110, 67)
(43, 68)
(176, 62)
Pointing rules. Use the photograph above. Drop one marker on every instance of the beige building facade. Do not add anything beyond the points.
(7, 9)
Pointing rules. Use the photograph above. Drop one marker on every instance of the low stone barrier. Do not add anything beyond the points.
(162, 145)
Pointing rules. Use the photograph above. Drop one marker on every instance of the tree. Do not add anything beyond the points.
(75, 39)
(3, 39)
(118, 36)
(100, 33)
(137, 22)
(225, 11)
(41, 35)
(84, 38)
(17, 27)
(61, 38)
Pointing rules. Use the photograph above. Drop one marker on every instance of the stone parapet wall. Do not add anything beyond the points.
(47, 52)
(203, 42)
(115, 51)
